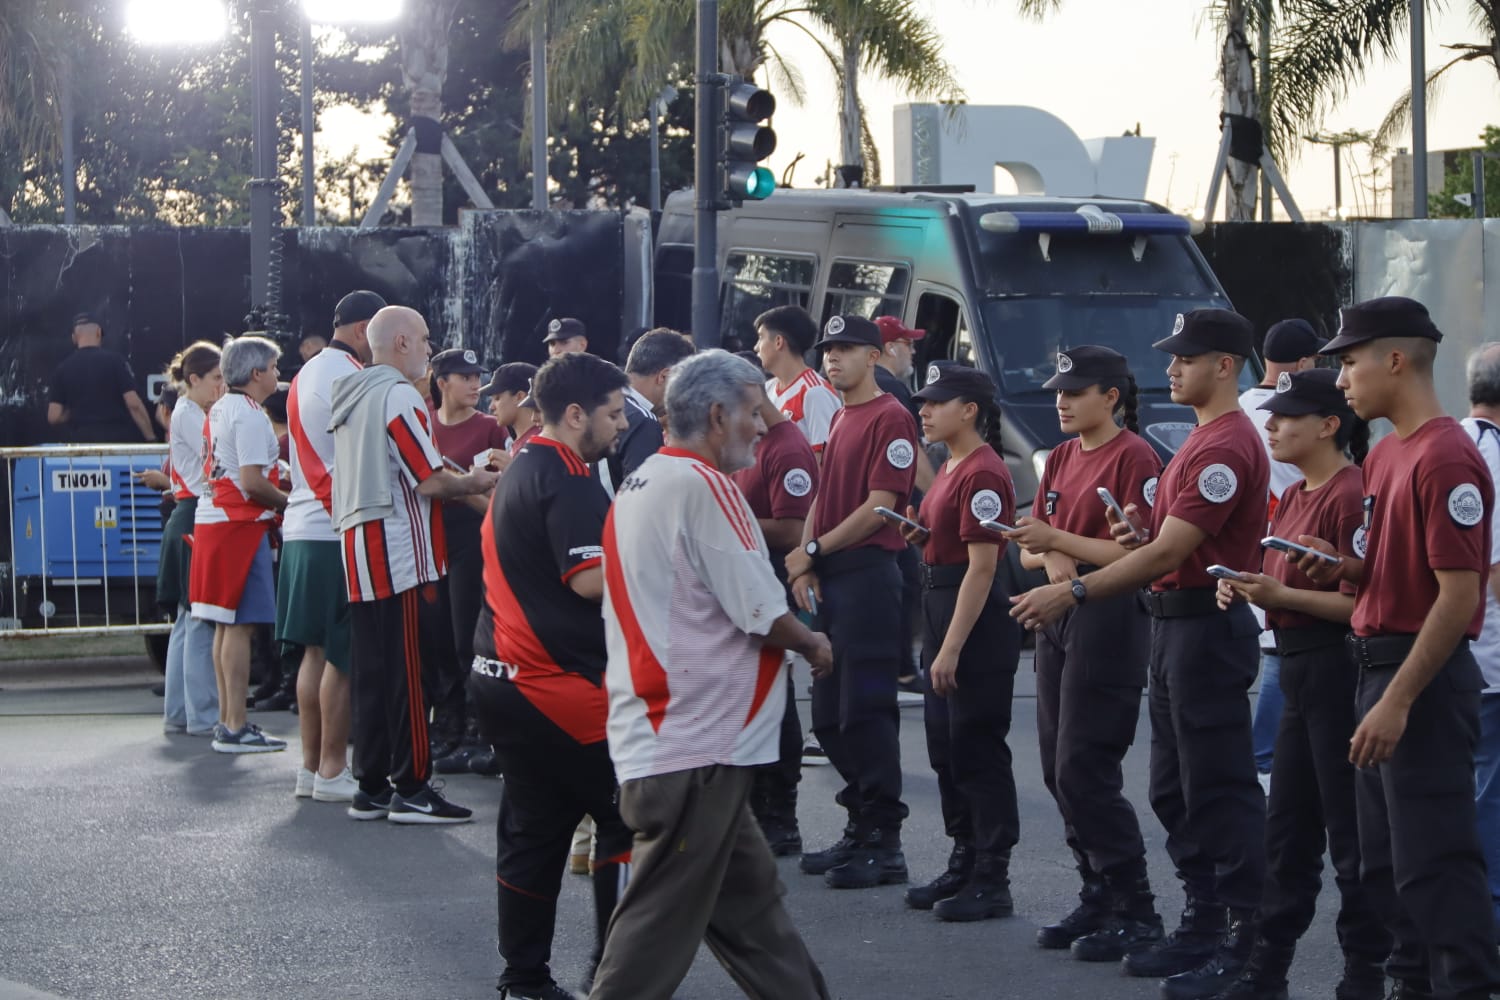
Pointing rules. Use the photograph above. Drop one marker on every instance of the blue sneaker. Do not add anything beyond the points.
(247, 740)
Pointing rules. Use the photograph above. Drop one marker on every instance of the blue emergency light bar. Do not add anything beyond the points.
(1091, 220)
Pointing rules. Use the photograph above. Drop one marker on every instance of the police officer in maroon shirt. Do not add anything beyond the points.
(846, 567)
(1091, 665)
(780, 487)
(1418, 601)
(1312, 782)
(1210, 507)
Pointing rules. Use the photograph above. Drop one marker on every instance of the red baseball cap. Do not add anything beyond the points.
(891, 329)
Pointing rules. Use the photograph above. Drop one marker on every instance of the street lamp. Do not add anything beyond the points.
(176, 22)
(1338, 141)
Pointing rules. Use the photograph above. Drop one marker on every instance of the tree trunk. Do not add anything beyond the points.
(424, 65)
(1237, 75)
(851, 119)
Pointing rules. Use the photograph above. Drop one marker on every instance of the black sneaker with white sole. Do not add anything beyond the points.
(428, 807)
(551, 991)
(366, 806)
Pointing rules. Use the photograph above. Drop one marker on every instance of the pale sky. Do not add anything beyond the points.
(1102, 70)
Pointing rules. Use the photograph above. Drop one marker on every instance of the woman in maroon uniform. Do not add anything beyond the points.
(970, 645)
(1312, 781)
(1091, 664)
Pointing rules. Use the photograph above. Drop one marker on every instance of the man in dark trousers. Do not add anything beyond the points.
(650, 362)
(846, 570)
(93, 395)
(537, 685)
(1418, 603)
(1209, 508)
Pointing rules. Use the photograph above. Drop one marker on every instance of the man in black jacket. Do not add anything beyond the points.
(648, 366)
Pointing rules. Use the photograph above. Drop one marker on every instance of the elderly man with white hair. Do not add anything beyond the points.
(696, 623)
(389, 475)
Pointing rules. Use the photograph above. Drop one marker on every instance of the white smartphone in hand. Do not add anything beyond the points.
(1224, 573)
(891, 515)
(995, 526)
(1114, 505)
(1283, 545)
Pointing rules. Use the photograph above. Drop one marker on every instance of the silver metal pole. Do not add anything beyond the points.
(539, 105)
(655, 157)
(1418, 110)
(309, 125)
(1479, 185)
(705, 173)
(1263, 57)
(263, 137)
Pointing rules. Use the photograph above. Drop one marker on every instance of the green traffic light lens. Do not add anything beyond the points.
(760, 184)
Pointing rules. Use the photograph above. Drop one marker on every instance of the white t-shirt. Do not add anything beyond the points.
(1486, 648)
(810, 403)
(308, 410)
(238, 433)
(689, 595)
(185, 448)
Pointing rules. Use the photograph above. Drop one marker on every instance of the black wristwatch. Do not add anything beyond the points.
(813, 550)
(1080, 592)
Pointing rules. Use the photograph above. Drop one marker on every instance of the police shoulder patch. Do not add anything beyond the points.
(1361, 542)
(797, 482)
(1148, 489)
(1466, 505)
(900, 453)
(985, 505)
(1218, 483)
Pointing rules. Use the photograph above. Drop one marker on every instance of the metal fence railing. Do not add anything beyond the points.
(84, 539)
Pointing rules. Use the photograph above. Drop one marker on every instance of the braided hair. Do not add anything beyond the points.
(1128, 408)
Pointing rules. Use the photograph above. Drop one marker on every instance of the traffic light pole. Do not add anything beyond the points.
(705, 180)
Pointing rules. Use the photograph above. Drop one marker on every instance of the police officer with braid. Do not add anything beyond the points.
(1209, 509)
(1418, 603)
(1091, 665)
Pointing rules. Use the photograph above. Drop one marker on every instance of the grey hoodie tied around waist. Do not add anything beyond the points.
(362, 483)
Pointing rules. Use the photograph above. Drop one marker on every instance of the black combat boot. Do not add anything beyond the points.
(1088, 916)
(774, 804)
(878, 860)
(1364, 979)
(1223, 967)
(985, 896)
(1264, 976)
(820, 862)
(1132, 925)
(1189, 946)
(960, 864)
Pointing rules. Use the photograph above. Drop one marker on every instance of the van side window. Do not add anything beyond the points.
(674, 287)
(860, 288)
(756, 281)
(948, 334)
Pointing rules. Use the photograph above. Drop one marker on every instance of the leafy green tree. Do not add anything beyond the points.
(1461, 181)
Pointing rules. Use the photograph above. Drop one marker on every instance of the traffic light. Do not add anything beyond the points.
(747, 142)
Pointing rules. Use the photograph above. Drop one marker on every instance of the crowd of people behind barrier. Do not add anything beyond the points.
(595, 590)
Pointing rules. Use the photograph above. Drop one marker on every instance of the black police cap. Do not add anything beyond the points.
(85, 318)
(356, 307)
(1391, 316)
(1086, 365)
(850, 330)
(513, 377)
(1204, 330)
(1290, 341)
(565, 329)
(456, 361)
(950, 380)
(1313, 391)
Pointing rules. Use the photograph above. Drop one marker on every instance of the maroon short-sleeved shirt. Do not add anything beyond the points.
(979, 488)
(1331, 512)
(1067, 496)
(460, 442)
(1427, 507)
(784, 478)
(870, 447)
(1218, 483)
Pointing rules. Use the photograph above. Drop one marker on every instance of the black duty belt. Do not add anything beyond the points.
(853, 560)
(1290, 641)
(1374, 651)
(941, 577)
(1182, 603)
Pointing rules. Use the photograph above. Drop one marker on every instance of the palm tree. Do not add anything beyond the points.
(1236, 77)
(30, 64)
(1326, 46)
(424, 66)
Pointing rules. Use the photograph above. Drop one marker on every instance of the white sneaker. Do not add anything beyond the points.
(1265, 782)
(336, 789)
(304, 783)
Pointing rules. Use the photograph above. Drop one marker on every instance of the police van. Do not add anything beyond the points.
(999, 282)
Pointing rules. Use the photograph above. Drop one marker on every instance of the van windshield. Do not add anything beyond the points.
(1028, 332)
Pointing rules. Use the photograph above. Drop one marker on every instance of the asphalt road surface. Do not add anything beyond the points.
(141, 865)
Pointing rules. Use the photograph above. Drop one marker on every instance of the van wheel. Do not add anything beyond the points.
(156, 649)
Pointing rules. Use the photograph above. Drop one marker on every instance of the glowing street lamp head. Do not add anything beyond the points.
(169, 22)
(351, 11)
